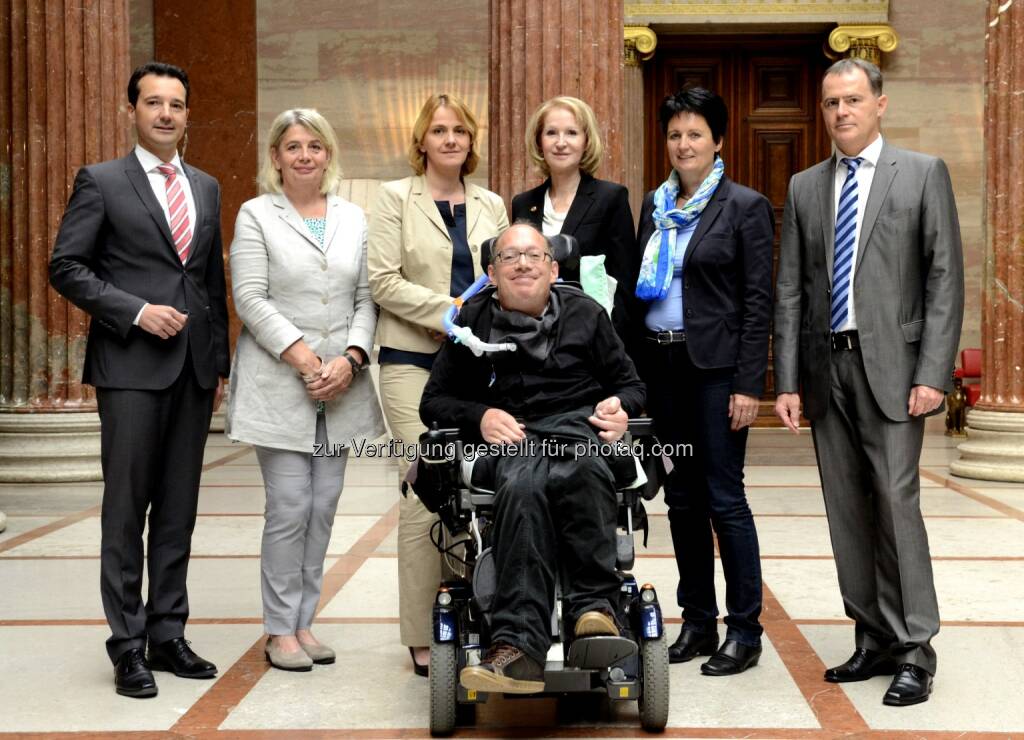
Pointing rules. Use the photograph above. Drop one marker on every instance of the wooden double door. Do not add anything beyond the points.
(771, 85)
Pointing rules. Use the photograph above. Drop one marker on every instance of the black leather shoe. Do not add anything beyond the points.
(690, 644)
(861, 666)
(132, 676)
(175, 656)
(417, 668)
(911, 685)
(731, 658)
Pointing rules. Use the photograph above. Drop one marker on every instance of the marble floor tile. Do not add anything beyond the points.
(389, 545)
(51, 589)
(370, 685)
(947, 537)
(372, 591)
(1010, 496)
(770, 697)
(976, 537)
(214, 454)
(795, 475)
(49, 499)
(81, 697)
(976, 483)
(356, 499)
(213, 535)
(19, 525)
(81, 539)
(947, 502)
(962, 700)
(248, 499)
(967, 590)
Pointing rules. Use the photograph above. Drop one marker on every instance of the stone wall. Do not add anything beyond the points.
(935, 84)
(368, 66)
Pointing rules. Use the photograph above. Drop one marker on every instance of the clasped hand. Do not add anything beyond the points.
(329, 380)
(611, 419)
(500, 427)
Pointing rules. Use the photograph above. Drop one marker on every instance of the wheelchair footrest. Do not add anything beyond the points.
(595, 653)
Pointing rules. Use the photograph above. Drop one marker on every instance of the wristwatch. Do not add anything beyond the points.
(356, 367)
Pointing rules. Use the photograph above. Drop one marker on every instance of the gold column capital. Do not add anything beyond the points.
(638, 44)
(864, 42)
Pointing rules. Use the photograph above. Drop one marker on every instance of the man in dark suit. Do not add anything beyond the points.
(867, 322)
(139, 249)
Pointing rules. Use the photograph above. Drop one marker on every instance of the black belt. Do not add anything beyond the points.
(666, 337)
(843, 341)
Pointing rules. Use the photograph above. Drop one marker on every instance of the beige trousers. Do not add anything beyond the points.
(419, 563)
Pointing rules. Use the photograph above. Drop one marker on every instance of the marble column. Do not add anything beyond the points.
(639, 43)
(62, 103)
(223, 111)
(994, 449)
(540, 49)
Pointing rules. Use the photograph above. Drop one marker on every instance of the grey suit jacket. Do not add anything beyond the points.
(287, 288)
(908, 286)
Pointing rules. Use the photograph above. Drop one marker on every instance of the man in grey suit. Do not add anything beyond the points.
(869, 303)
(139, 249)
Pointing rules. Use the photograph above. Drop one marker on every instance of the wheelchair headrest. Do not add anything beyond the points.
(564, 249)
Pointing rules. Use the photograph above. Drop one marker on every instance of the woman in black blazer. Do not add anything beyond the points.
(563, 142)
(704, 285)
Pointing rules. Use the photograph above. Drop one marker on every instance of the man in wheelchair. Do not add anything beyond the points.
(557, 402)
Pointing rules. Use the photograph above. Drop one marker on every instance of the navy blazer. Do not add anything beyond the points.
(599, 218)
(727, 283)
(114, 253)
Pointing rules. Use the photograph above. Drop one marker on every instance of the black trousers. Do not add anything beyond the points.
(705, 491)
(551, 513)
(152, 446)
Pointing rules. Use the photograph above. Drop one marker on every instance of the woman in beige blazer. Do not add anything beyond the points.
(298, 390)
(424, 248)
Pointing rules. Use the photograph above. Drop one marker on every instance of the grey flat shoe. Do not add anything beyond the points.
(319, 654)
(297, 661)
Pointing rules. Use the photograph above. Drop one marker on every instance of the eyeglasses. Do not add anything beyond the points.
(511, 256)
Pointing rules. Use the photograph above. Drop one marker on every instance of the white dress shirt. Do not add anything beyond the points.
(865, 174)
(158, 182)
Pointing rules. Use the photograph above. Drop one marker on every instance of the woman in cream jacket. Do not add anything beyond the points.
(424, 249)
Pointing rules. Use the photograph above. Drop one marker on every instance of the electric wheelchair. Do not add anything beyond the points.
(631, 667)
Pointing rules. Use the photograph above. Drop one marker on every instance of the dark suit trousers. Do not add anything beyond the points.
(705, 490)
(871, 484)
(152, 454)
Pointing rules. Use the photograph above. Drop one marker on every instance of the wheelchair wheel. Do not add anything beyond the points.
(653, 702)
(443, 688)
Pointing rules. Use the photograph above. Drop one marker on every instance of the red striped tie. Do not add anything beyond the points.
(181, 230)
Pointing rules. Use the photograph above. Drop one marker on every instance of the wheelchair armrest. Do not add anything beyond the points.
(437, 445)
(641, 427)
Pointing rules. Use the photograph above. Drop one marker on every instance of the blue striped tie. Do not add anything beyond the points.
(846, 231)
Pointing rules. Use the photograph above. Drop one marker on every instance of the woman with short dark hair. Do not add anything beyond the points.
(705, 282)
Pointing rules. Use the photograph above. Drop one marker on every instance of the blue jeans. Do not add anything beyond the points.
(704, 491)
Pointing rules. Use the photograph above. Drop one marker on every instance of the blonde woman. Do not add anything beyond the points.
(564, 144)
(424, 248)
(299, 392)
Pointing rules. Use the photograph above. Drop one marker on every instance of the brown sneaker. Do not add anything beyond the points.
(506, 670)
(596, 623)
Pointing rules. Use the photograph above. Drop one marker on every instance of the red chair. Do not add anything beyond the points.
(970, 369)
